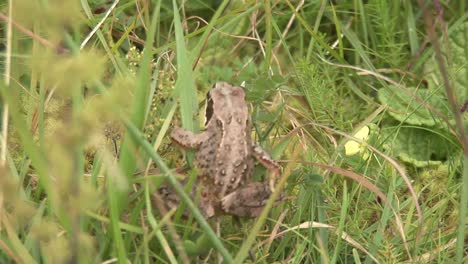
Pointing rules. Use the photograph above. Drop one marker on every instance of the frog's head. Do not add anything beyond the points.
(226, 102)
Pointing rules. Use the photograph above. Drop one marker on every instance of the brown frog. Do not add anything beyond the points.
(225, 156)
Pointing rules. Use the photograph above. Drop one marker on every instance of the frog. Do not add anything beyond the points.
(225, 156)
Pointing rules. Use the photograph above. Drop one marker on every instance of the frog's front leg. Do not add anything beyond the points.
(265, 159)
(247, 201)
(187, 139)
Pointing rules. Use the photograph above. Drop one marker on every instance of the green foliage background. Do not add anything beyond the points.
(91, 96)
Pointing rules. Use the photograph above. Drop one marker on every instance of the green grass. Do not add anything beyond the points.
(84, 118)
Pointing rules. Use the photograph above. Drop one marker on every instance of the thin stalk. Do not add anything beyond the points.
(268, 35)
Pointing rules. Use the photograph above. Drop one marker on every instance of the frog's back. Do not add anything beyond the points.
(225, 158)
(206, 156)
(237, 162)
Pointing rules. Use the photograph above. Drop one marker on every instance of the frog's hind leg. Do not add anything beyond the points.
(265, 159)
(247, 201)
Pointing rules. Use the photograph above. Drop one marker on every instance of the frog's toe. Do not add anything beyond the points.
(228, 202)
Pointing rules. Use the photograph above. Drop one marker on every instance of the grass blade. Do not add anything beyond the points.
(136, 135)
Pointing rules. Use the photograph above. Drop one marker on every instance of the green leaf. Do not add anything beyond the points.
(200, 247)
(456, 62)
(406, 109)
(420, 147)
(312, 179)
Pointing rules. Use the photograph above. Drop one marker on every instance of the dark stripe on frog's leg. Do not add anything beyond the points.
(187, 139)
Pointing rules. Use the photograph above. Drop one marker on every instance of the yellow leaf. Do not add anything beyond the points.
(353, 147)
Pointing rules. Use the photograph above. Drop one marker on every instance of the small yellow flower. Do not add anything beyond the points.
(352, 147)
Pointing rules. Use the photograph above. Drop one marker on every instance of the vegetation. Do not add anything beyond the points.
(363, 103)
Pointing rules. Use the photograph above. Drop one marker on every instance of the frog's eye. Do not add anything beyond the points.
(237, 92)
